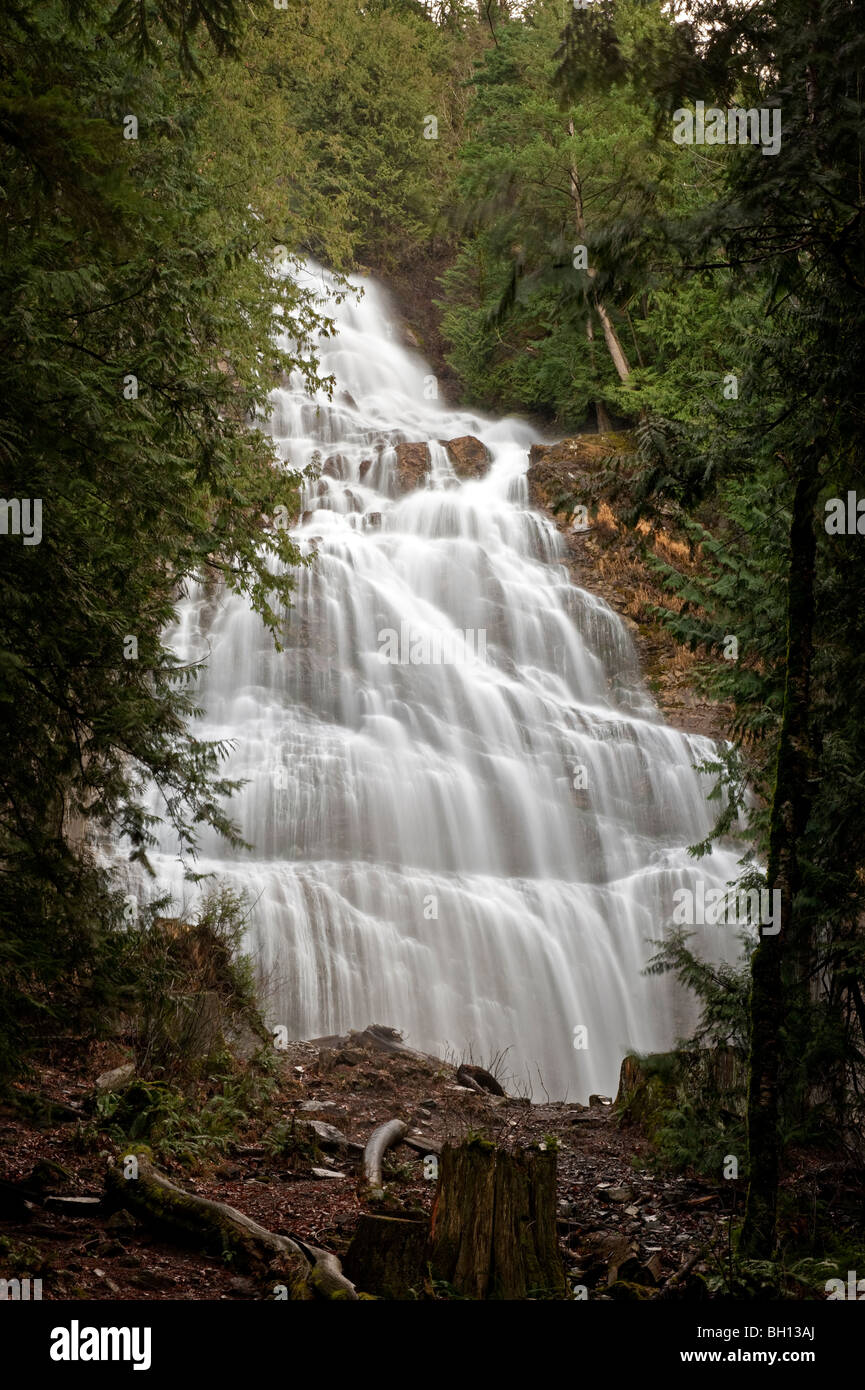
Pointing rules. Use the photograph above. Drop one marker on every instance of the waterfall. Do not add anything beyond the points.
(475, 846)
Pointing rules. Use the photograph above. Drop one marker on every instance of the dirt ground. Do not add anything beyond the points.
(618, 1219)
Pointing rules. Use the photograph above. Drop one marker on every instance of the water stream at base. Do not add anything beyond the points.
(424, 855)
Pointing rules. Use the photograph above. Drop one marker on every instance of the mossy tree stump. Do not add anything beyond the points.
(493, 1231)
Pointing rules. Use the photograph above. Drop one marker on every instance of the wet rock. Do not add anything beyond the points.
(328, 1136)
(243, 1040)
(413, 464)
(365, 466)
(469, 457)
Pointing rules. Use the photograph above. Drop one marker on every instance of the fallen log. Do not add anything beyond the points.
(157, 1201)
(380, 1140)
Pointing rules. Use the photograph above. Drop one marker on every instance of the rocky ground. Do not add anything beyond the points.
(617, 1219)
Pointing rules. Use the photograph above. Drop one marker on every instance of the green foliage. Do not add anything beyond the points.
(722, 991)
(341, 98)
(173, 1124)
(541, 176)
(137, 305)
(691, 1101)
(294, 1142)
(194, 989)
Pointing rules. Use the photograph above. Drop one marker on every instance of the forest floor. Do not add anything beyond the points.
(619, 1219)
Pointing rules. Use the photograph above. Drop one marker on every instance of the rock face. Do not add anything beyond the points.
(605, 557)
(332, 467)
(470, 458)
(557, 471)
(413, 464)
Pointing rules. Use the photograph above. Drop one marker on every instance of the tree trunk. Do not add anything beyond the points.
(611, 338)
(604, 424)
(493, 1231)
(791, 801)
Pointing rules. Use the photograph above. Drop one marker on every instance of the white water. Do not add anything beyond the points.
(380, 793)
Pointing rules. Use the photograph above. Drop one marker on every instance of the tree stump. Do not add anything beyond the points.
(493, 1232)
(387, 1256)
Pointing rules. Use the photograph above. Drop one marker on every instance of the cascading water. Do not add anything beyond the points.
(424, 852)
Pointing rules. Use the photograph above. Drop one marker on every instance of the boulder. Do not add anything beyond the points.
(469, 457)
(116, 1079)
(478, 1079)
(48, 1176)
(328, 1136)
(413, 464)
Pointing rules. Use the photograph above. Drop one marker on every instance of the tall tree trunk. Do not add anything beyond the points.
(602, 418)
(773, 958)
(611, 338)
